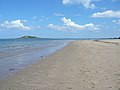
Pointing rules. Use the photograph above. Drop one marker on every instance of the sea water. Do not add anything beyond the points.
(15, 54)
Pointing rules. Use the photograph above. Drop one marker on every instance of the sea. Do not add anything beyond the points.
(16, 54)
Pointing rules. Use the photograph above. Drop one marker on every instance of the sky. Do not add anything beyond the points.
(60, 18)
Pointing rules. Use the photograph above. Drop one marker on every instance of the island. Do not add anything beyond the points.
(29, 37)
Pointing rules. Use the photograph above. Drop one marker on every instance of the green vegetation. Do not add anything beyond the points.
(29, 37)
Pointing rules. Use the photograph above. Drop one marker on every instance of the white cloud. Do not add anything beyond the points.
(70, 25)
(75, 26)
(85, 3)
(58, 14)
(116, 21)
(17, 24)
(56, 27)
(107, 14)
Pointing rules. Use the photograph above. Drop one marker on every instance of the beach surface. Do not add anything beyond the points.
(82, 65)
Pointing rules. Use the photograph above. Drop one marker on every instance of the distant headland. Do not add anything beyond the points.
(29, 37)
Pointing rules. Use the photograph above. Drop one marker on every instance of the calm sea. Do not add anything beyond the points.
(15, 54)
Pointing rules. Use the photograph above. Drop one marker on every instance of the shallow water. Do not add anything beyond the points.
(15, 54)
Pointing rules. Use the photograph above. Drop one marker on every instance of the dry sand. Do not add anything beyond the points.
(82, 65)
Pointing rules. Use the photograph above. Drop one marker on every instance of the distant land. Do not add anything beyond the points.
(29, 37)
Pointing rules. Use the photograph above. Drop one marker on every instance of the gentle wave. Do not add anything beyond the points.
(16, 54)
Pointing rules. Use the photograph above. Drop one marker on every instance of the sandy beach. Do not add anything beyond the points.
(82, 65)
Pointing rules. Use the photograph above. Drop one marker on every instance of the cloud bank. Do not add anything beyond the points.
(85, 3)
(56, 27)
(70, 25)
(17, 24)
(107, 14)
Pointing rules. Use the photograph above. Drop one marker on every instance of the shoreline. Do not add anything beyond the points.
(17, 56)
(81, 65)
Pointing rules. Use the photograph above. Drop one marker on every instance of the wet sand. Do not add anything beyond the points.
(82, 65)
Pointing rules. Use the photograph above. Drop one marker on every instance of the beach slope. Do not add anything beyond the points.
(82, 65)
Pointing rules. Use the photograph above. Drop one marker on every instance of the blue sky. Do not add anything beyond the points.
(60, 18)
